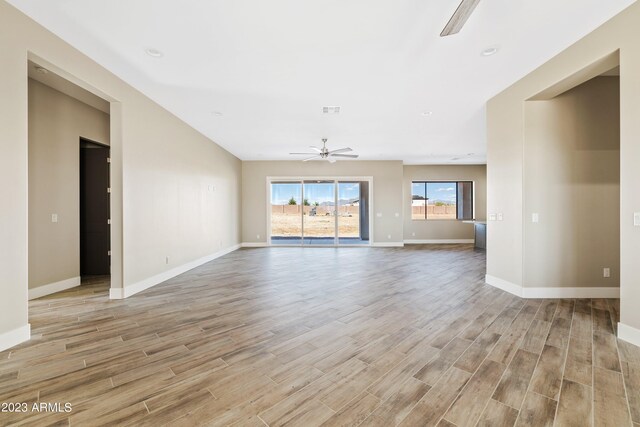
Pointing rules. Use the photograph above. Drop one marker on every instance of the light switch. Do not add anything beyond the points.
(492, 217)
(54, 217)
(535, 217)
(379, 214)
(397, 215)
(636, 219)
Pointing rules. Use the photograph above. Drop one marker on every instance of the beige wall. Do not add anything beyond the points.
(572, 180)
(444, 229)
(387, 193)
(162, 171)
(56, 123)
(505, 125)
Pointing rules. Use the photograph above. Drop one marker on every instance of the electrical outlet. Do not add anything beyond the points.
(500, 217)
(54, 217)
(606, 272)
(389, 236)
(636, 219)
(258, 236)
(413, 234)
(535, 217)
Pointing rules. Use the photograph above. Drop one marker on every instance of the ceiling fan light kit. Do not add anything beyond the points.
(325, 154)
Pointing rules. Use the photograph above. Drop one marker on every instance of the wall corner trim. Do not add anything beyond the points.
(504, 285)
(552, 292)
(437, 241)
(14, 337)
(127, 291)
(254, 245)
(52, 288)
(388, 245)
(629, 334)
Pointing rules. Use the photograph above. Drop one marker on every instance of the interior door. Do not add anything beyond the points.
(95, 238)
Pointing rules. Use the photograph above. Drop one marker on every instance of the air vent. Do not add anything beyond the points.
(331, 110)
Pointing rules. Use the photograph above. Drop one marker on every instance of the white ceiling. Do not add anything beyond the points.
(270, 66)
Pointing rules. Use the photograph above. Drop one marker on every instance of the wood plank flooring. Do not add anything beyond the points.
(324, 336)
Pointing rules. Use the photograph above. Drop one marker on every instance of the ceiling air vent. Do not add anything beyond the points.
(331, 110)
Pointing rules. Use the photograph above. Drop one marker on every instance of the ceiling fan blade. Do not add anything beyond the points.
(315, 149)
(341, 150)
(459, 18)
(311, 158)
(306, 154)
(350, 156)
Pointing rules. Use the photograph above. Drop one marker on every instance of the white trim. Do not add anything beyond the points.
(116, 293)
(388, 245)
(254, 245)
(496, 282)
(558, 292)
(552, 292)
(629, 334)
(436, 241)
(127, 291)
(52, 288)
(14, 337)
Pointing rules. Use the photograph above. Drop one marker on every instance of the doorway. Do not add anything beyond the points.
(319, 212)
(95, 241)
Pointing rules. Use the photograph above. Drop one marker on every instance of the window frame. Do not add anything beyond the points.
(426, 195)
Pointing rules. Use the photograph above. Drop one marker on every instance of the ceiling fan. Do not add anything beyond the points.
(459, 18)
(324, 153)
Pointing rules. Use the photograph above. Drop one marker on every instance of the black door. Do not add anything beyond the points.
(94, 209)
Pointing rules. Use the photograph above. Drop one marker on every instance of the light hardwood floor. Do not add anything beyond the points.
(325, 336)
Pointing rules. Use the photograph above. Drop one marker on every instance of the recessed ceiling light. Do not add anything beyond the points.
(41, 70)
(427, 113)
(154, 52)
(491, 50)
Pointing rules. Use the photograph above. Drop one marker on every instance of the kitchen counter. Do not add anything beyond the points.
(480, 233)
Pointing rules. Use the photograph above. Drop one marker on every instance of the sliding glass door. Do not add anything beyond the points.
(319, 217)
(286, 210)
(353, 213)
(319, 212)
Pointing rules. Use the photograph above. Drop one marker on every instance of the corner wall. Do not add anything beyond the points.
(163, 177)
(56, 123)
(572, 181)
(505, 126)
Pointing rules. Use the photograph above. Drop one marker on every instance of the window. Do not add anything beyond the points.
(441, 200)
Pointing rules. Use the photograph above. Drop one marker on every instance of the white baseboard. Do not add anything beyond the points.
(552, 292)
(15, 337)
(582, 292)
(52, 288)
(629, 334)
(504, 285)
(388, 244)
(437, 241)
(127, 291)
(254, 245)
